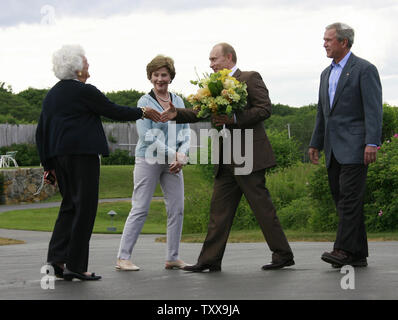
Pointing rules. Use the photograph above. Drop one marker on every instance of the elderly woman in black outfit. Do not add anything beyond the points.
(69, 138)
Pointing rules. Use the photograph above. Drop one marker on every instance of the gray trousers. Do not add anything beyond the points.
(146, 177)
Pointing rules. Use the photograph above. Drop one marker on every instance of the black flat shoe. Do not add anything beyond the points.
(70, 275)
(274, 265)
(201, 268)
(58, 271)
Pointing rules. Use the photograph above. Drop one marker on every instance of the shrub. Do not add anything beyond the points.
(390, 122)
(206, 169)
(381, 198)
(197, 203)
(296, 215)
(288, 184)
(197, 211)
(118, 157)
(284, 185)
(8, 118)
(244, 216)
(381, 201)
(27, 154)
(287, 152)
(324, 216)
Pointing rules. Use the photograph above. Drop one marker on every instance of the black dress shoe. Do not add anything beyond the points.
(58, 271)
(339, 258)
(201, 268)
(70, 275)
(278, 264)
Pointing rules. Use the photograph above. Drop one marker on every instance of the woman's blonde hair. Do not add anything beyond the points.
(158, 62)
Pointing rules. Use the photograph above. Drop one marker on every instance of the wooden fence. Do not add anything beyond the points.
(120, 135)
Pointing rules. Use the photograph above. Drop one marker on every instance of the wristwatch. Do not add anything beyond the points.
(143, 112)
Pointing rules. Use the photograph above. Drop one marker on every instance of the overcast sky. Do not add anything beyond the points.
(281, 39)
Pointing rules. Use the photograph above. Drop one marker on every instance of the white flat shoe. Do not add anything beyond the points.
(126, 265)
(177, 264)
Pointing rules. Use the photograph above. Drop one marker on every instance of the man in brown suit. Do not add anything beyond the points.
(229, 186)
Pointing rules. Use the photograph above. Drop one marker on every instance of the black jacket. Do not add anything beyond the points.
(70, 121)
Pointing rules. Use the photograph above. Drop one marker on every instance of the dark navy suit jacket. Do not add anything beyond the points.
(356, 116)
(70, 121)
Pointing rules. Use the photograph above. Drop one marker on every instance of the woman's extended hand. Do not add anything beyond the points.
(169, 114)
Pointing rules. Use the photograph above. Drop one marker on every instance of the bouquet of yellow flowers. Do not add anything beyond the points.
(218, 93)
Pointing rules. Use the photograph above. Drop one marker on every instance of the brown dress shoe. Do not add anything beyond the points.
(338, 258)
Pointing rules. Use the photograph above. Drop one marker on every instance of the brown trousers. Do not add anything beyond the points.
(228, 190)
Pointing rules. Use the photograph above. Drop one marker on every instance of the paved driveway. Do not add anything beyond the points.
(241, 278)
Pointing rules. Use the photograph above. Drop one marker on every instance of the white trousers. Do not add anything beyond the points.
(146, 177)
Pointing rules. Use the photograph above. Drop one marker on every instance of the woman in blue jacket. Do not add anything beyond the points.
(161, 152)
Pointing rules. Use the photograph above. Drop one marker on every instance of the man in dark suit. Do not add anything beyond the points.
(228, 185)
(348, 128)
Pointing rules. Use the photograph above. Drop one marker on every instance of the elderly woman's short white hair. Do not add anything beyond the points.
(68, 60)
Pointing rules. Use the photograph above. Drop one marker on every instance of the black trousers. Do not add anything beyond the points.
(347, 184)
(78, 180)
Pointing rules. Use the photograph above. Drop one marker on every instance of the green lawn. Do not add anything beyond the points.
(113, 184)
(292, 235)
(44, 219)
(117, 182)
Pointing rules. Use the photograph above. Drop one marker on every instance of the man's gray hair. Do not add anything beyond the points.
(68, 60)
(343, 31)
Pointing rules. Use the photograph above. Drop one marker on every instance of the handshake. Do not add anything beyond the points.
(168, 114)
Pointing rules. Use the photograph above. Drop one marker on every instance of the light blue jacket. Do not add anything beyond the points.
(161, 140)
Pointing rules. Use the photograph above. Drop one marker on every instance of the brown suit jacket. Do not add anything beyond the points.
(258, 109)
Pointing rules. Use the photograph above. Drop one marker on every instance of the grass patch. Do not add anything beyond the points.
(292, 236)
(288, 184)
(117, 182)
(6, 241)
(44, 219)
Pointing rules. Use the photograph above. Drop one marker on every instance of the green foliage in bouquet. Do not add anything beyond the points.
(218, 93)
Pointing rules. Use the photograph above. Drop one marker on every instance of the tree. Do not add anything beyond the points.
(390, 122)
(35, 99)
(301, 122)
(13, 107)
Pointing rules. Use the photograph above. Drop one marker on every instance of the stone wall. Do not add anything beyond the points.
(19, 186)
